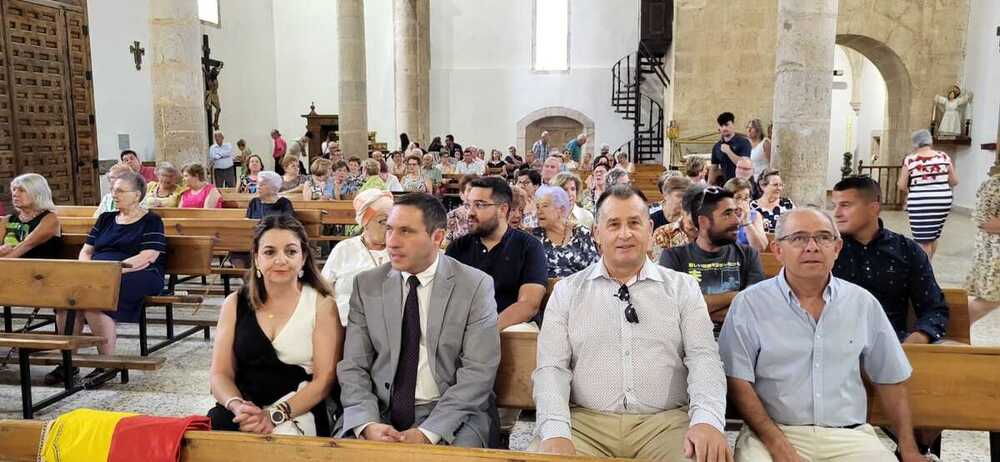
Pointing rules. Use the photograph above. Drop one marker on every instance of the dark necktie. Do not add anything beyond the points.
(403, 400)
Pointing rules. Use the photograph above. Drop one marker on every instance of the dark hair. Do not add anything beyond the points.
(449, 137)
(241, 142)
(533, 175)
(702, 201)
(127, 152)
(619, 191)
(499, 189)
(765, 177)
(195, 169)
(863, 184)
(308, 135)
(404, 141)
(310, 274)
(355, 159)
(254, 156)
(725, 118)
(434, 214)
(465, 180)
(339, 165)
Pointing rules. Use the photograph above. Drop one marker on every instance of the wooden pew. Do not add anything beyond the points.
(770, 263)
(312, 219)
(65, 285)
(953, 387)
(229, 234)
(332, 212)
(19, 442)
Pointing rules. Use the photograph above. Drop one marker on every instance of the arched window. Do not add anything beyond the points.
(550, 51)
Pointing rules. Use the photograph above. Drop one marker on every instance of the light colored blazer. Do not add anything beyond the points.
(463, 348)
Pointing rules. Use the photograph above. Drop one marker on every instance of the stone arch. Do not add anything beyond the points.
(524, 143)
(899, 89)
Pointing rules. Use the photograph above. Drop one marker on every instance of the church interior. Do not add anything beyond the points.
(831, 89)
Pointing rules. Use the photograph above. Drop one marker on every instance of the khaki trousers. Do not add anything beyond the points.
(859, 444)
(655, 437)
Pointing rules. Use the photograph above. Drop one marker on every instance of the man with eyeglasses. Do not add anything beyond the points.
(631, 343)
(794, 348)
(744, 170)
(722, 267)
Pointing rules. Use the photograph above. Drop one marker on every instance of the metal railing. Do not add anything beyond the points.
(887, 177)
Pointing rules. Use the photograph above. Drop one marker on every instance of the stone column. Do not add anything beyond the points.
(177, 82)
(802, 96)
(411, 29)
(353, 87)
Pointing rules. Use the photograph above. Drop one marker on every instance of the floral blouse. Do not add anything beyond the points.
(571, 258)
(458, 223)
(771, 216)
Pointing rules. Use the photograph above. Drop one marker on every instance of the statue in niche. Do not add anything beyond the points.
(951, 120)
(212, 104)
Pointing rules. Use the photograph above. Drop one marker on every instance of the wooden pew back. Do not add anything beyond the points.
(332, 212)
(60, 284)
(230, 234)
(186, 255)
(19, 442)
(953, 387)
(310, 218)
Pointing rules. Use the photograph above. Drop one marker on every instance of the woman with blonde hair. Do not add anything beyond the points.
(292, 180)
(751, 230)
(278, 341)
(318, 185)
(760, 152)
(33, 230)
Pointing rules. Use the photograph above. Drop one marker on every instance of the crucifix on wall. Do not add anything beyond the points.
(211, 68)
(137, 53)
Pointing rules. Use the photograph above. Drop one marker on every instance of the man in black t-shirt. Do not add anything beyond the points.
(727, 151)
(721, 266)
(513, 258)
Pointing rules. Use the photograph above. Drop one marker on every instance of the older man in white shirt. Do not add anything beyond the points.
(222, 156)
(627, 363)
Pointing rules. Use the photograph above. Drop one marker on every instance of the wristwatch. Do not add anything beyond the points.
(277, 415)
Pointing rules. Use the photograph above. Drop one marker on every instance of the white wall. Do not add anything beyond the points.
(244, 42)
(981, 73)
(871, 117)
(841, 118)
(481, 77)
(123, 98)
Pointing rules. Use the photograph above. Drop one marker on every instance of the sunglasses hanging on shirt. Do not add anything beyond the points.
(630, 313)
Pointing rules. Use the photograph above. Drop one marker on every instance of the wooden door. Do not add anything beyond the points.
(47, 72)
(656, 25)
(561, 130)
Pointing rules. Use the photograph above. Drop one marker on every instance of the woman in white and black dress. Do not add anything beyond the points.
(279, 340)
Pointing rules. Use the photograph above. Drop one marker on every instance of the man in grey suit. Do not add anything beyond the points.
(422, 346)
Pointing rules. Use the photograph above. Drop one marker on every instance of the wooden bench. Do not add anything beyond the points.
(310, 218)
(19, 442)
(229, 234)
(967, 378)
(58, 284)
(186, 256)
(332, 212)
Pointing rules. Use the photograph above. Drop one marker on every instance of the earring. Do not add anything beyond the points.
(259, 274)
(301, 273)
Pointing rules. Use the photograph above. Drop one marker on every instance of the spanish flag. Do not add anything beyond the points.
(87, 435)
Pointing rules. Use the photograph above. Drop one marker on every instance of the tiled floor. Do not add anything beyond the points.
(181, 386)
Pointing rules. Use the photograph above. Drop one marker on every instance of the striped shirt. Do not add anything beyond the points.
(928, 171)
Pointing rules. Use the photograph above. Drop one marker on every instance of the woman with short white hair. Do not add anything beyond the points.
(33, 230)
(928, 178)
(569, 247)
(165, 191)
(359, 253)
(573, 185)
(267, 202)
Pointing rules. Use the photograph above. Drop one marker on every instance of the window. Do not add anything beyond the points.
(208, 11)
(551, 47)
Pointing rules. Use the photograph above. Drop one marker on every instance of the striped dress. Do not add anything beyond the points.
(930, 196)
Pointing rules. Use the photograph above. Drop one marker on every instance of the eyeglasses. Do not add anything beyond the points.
(630, 313)
(482, 205)
(801, 240)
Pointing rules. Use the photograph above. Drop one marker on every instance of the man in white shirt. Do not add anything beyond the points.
(470, 164)
(410, 374)
(632, 344)
(222, 155)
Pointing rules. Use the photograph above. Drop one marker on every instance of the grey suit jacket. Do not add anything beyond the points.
(462, 341)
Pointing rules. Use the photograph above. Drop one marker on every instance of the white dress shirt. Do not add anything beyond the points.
(346, 260)
(221, 156)
(477, 167)
(590, 356)
(427, 389)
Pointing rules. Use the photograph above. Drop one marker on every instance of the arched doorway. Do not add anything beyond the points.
(895, 135)
(562, 124)
(858, 113)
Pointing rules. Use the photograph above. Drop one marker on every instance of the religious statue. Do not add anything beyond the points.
(951, 121)
(212, 92)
